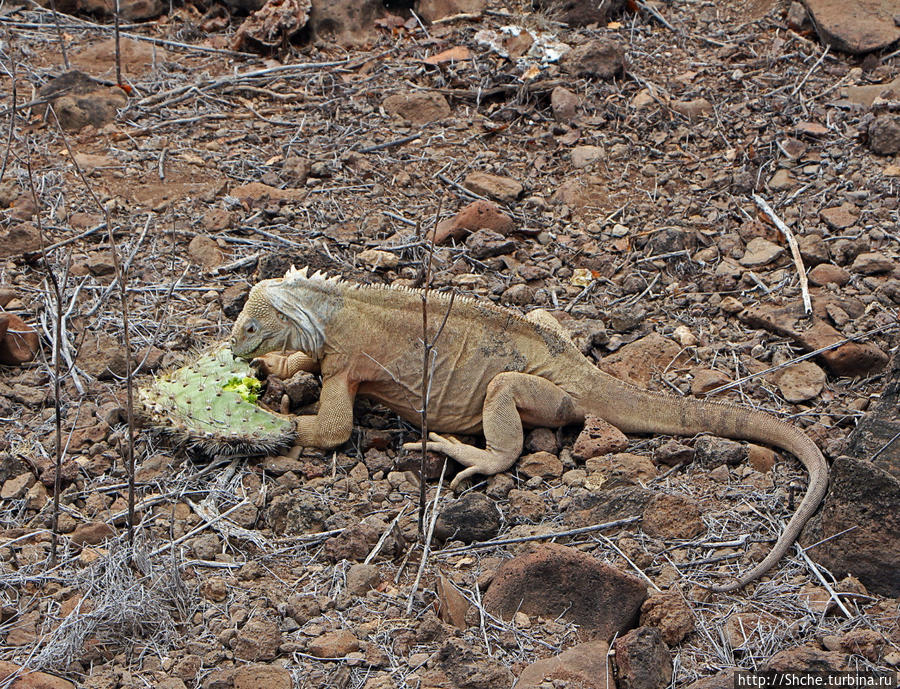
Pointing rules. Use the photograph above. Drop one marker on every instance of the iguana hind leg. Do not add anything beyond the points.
(512, 398)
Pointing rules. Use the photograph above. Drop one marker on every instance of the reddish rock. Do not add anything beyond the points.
(638, 361)
(334, 644)
(478, 215)
(261, 677)
(258, 639)
(864, 642)
(801, 381)
(858, 27)
(432, 10)
(720, 680)
(672, 515)
(760, 458)
(850, 359)
(840, 217)
(673, 453)
(93, 533)
(872, 263)
(564, 103)
(598, 437)
(205, 252)
(826, 273)
(643, 660)
(21, 238)
(806, 659)
(706, 379)
(555, 580)
(584, 666)
(668, 612)
(452, 605)
(693, 109)
(541, 464)
(620, 469)
(19, 342)
(28, 679)
(504, 189)
(419, 107)
(362, 578)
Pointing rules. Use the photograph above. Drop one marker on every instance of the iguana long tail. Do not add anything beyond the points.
(634, 410)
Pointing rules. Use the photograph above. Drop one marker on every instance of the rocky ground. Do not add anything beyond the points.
(626, 170)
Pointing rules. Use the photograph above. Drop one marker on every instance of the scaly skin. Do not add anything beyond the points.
(493, 371)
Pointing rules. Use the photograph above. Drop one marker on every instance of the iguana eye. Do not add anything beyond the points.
(250, 328)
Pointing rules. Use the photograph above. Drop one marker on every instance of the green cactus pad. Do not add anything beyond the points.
(209, 405)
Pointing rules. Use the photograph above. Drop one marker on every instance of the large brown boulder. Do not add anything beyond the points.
(858, 527)
(554, 580)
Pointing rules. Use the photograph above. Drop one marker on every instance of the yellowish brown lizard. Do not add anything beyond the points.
(493, 372)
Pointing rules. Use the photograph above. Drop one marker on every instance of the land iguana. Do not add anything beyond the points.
(493, 372)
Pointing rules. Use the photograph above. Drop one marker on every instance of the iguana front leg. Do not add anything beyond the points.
(512, 398)
(333, 423)
(285, 365)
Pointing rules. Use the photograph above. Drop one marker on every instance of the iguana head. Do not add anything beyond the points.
(259, 328)
(284, 314)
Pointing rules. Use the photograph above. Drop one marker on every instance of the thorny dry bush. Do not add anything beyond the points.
(201, 124)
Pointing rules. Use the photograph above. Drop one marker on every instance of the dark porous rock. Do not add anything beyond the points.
(467, 668)
(233, 297)
(595, 59)
(863, 496)
(884, 135)
(302, 388)
(599, 507)
(672, 515)
(473, 517)
(806, 659)
(712, 452)
(577, 13)
(487, 243)
(78, 100)
(643, 660)
(674, 453)
(542, 440)
(875, 435)
(291, 515)
(555, 580)
(583, 666)
(355, 542)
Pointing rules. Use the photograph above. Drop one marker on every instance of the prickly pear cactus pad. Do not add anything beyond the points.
(210, 405)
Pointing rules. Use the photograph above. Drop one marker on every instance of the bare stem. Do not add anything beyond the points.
(57, 356)
(121, 276)
(59, 35)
